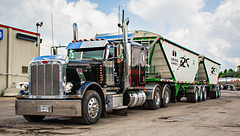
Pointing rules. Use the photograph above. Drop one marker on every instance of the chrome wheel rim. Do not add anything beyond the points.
(93, 107)
(205, 95)
(201, 95)
(157, 98)
(166, 95)
(196, 95)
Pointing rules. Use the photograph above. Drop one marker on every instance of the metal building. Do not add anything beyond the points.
(17, 48)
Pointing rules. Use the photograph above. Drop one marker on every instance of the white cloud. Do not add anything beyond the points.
(215, 35)
(25, 13)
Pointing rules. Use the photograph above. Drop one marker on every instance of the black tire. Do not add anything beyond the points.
(166, 96)
(91, 107)
(200, 97)
(204, 94)
(189, 97)
(195, 97)
(156, 102)
(213, 94)
(219, 93)
(33, 118)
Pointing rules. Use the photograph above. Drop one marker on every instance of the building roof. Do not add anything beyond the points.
(18, 29)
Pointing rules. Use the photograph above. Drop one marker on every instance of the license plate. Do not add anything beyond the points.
(45, 108)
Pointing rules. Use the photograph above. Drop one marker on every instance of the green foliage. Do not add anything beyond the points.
(229, 73)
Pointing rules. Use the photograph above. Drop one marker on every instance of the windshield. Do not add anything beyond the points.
(86, 54)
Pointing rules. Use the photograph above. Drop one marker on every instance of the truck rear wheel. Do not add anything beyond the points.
(91, 107)
(204, 93)
(156, 102)
(166, 96)
(33, 118)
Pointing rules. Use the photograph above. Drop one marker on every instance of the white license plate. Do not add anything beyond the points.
(45, 108)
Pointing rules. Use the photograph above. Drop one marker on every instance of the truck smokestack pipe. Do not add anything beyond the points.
(75, 31)
(127, 55)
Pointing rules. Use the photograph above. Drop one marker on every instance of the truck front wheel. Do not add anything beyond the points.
(33, 118)
(91, 107)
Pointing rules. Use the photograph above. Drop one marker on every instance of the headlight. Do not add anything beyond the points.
(24, 89)
(69, 86)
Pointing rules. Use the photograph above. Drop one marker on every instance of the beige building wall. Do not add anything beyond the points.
(15, 54)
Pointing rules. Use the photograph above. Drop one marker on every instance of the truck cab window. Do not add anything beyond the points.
(110, 52)
(86, 54)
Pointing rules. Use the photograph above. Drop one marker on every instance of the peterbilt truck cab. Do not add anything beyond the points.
(96, 75)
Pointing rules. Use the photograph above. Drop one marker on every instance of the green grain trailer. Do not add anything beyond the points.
(173, 70)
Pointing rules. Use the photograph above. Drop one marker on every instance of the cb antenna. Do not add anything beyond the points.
(119, 24)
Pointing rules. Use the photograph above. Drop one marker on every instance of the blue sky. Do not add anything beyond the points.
(209, 27)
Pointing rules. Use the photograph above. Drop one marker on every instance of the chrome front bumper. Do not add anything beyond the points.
(70, 108)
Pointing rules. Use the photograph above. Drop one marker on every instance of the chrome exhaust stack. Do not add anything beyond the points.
(127, 55)
(75, 31)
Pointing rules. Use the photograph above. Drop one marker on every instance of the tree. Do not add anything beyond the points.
(225, 71)
(221, 74)
(229, 73)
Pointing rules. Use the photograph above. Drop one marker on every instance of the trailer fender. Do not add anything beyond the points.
(150, 88)
(96, 87)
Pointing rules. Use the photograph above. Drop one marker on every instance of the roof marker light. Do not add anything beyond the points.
(72, 40)
(80, 40)
(96, 39)
(91, 39)
(84, 39)
(102, 38)
(44, 62)
(76, 40)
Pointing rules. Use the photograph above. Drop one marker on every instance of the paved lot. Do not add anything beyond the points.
(212, 117)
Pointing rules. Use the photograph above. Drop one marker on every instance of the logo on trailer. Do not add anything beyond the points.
(183, 62)
(213, 70)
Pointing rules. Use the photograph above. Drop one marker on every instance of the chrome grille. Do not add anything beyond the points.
(45, 79)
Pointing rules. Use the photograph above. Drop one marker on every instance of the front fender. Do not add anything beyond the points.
(96, 87)
(87, 86)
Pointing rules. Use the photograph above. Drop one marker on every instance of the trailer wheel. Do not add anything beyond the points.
(204, 94)
(200, 97)
(33, 118)
(195, 97)
(213, 94)
(91, 107)
(156, 102)
(166, 96)
(219, 93)
(189, 97)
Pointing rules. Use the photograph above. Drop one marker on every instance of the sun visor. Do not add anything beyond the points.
(87, 44)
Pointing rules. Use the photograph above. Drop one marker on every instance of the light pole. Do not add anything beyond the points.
(38, 24)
